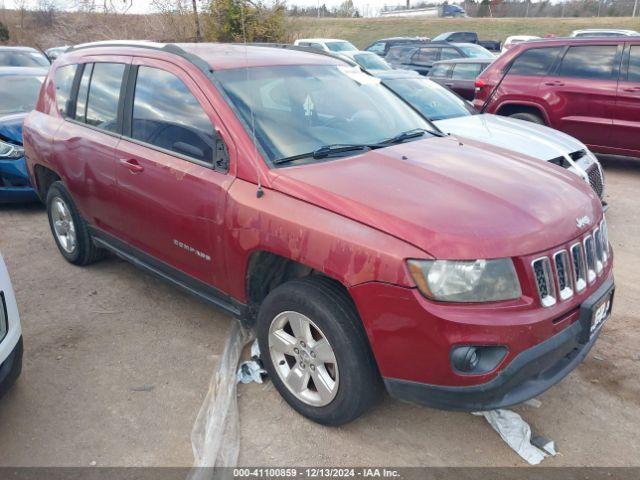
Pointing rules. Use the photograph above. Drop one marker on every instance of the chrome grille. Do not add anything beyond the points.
(563, 273)
(595, 179)
(590, 256)
(579, 268)
(545, 282)
(566, 272)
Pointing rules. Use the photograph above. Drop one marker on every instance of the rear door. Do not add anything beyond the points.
(523, 76)
(626, 116)
(423, 59)
(441, 73)
(173, 169)
(87, 141)
(463, 78)
(581, 92)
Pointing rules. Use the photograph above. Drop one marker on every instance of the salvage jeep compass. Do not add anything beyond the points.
(301, 196)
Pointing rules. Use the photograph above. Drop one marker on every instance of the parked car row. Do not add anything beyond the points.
(304, 197)
(588, 88)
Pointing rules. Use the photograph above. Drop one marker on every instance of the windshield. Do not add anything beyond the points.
(475, 51)
(19, 94)
(371, 61)
(23, 59)
(430, 99)
(298, 109)
(340, 46)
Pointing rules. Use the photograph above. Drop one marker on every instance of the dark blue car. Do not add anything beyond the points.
(19, 89)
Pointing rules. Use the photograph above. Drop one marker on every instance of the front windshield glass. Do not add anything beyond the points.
(298, 109)
(371, 61)
(19, 94)
(340, 46)
(476, 51)
(430, 99)
(22, 59)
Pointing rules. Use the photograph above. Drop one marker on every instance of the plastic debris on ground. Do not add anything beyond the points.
(215, 438)
(517, 434)
(252, 370)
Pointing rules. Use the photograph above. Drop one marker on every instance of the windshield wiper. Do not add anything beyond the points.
(328, 151)
(414, 133)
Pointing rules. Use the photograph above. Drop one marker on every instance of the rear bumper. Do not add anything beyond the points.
(15, 185)
(530, 373)
(11, 368)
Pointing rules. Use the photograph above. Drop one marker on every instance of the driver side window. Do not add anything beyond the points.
(167, 115)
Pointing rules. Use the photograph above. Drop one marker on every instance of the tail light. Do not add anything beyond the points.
(480, 84)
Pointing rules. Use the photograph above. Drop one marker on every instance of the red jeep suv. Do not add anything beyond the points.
(298, 194)
(586, 87)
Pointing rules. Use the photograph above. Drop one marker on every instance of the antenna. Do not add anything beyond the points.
(260, 191)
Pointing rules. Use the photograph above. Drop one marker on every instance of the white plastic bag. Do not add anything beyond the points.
(517, 434)
(215, 438)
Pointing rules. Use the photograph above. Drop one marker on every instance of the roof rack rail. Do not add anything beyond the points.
(298, 48)
(163, 47)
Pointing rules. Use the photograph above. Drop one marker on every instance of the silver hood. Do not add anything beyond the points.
(535, 140)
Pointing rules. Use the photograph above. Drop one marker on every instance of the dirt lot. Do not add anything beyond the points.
(118, 363)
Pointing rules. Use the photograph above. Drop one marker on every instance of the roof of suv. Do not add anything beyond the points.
(568, 41)
(464, 60)
(218, 56)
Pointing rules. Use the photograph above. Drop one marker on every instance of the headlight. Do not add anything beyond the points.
(466, 280)
(8, 150)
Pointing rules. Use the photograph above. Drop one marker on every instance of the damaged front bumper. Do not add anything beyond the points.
(530, 373)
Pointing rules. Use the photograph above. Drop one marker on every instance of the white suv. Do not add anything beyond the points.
(10, 333)
(334, 45)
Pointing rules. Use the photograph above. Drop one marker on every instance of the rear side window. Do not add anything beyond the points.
(104, 95)
(634, 64)
(441, 70)
(534, 62)
(588, 61)
(64, 82)
(449, 53)
(399, 54)
(426, 55)
(465, 71)
(167, 115)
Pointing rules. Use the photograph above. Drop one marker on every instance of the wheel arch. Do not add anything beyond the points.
(44, 178)
(509, 108)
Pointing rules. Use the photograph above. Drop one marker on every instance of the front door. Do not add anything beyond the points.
(173, 174)
(581, 92)
(626, 117)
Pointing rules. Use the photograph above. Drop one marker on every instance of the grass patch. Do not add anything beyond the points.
(363, 31)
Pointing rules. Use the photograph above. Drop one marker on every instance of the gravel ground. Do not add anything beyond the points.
(117, 364)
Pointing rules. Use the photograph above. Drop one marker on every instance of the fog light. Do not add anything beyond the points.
(477, 359)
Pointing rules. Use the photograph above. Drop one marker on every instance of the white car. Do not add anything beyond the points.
(515, 39)
(454, 115)
(332, 45)
(604, 32)
(10, 333)
(367, 60)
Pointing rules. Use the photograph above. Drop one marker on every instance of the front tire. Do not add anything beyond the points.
(69, 229)
(528, 117)
(316, 351)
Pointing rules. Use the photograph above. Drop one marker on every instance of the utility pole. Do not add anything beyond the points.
(197, 20)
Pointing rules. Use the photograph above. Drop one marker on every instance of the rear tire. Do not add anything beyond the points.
(528, 117)
(69, 229)
(333, 351)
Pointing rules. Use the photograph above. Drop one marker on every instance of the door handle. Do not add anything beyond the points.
(554, 83)
(631, 89)
(132, 165)
(448, 84)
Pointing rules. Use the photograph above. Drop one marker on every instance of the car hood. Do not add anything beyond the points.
(536, 140)
(11, 127)
(453, 200)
